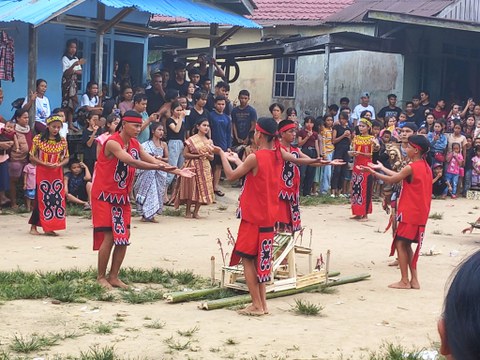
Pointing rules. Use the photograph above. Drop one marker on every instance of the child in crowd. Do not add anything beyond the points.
(341, 138)
(29, 174)
(476, 168)
(8, 133)
(78, 184)
(476, 133)
(392, 128)
(327, 152)
(111, 124)
(127, 102)
(454, 163)
(64, 130)
(470, 153)
(469, 126)
(439, 185)
(90, 133)
(308, 141)
(402, 120)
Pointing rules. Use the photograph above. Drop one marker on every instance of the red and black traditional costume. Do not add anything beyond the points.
(49, 207)
(289, 210)
(362, 182)
(414, 207)
(112, 182)
(258, 210)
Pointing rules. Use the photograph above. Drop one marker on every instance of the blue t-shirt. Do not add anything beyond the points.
(243, 118)
(145, 134)
(221, 127)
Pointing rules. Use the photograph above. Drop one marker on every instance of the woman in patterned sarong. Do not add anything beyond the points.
(150, 184)
(198, 153)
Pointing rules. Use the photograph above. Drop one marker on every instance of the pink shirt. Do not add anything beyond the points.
(454, 163)
(30, 170)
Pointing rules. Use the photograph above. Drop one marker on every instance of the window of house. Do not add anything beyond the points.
(285, 77)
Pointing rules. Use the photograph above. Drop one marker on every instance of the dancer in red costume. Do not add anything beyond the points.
(289, 193)
(413, 207)
(115, 168)
(258, 210)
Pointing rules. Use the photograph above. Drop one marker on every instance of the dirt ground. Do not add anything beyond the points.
(356, 319)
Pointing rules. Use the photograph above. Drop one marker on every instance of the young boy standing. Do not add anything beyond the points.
(221, 129)
(243, 119)
(413, 207)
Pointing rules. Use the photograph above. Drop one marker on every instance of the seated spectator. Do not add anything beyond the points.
(78, 184)
(90, 100)
(42, 105)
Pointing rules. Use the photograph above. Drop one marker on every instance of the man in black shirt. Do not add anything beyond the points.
(156, 94)
(390, 110)
(221, 89)
(179, 82)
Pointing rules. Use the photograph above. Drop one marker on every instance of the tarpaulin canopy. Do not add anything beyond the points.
(36, 12)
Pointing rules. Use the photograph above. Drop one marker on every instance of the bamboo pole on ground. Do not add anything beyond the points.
(242, 299)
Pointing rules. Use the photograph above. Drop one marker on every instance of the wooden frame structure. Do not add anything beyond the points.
(285, 274)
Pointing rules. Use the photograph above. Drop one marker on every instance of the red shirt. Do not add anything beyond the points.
(259, 197)
(416, 195)
(113, 179)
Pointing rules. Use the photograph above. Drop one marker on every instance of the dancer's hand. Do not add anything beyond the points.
(186, 172)
(365, 169)
(337, 162)
(232, 156)
(377, 166)
(217, 150)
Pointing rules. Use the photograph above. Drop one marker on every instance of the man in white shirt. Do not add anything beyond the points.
(364, 105)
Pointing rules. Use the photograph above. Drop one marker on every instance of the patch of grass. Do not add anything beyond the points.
(307, 308)
(157, 324)
(186, 277)
(437, 232)
(322, 200)
(327, 290)
(215, 350)
(189, 332)
(147, 318)
(172, 212)
(176, 344)
(96, 353)
(102, 328)
(76, 210)
(390, 351)
(71, 247)
(35, 342)
(436, 216)
(222, 207)
(231, 341)
(141, 297)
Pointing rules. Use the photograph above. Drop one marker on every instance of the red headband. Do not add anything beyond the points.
(263, 131)
(133, 119)
(288, 127)
(418, 147)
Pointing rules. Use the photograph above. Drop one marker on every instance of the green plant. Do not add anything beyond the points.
(436, 216)
(437, 232)
(141, 297)
(35, 342)
(102, 328)
(96, 353)
(189, 332)
(172, 212)
(322, 200)
(157, 324)
(390, 351)
(231, 341)
(304, 307)
(176, 344)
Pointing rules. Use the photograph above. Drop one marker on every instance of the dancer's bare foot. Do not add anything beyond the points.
(363, 219)
(196, 216)
(34, 231)
(116, 282)
(393, 263)
(188, 216)
(356, 217)
(400, 285)
(104, 283)
(251, 311)
(51, 233)
(415, 284)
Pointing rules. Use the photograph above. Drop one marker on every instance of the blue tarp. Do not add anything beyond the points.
(37, 11)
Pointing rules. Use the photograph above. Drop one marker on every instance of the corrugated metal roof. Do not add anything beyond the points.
(356, 11)
(294, 11)
(37, 11)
